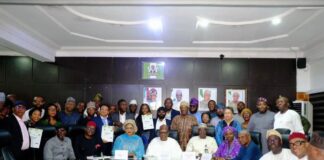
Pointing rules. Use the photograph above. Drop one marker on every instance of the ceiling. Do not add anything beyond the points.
(97, 29)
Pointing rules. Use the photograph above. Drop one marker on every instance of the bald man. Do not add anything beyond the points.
(249, 150)
(164, 147)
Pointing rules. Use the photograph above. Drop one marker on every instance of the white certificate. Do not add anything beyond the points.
(107, 133)
(121, 154)
(147, 122)
(206, 156)
(35, 137)
(188, 156)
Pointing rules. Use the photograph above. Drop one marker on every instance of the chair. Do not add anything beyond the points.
(283, 131)
(284, 136)
(172, 133)
(210, 131)
(5, 139)
(256, 138)
(74, 131)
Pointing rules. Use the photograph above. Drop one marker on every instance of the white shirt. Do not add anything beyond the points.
(296, 158)
(104, 120)
(122, 118)
(159, 123)
(26, 115)
(289, 120)
(198, 145)
(284, 155)
(168, 115)
(160, 149)
(24, 132)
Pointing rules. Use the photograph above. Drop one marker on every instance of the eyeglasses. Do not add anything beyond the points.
(90, 129)
(20, 107)
(297, 143)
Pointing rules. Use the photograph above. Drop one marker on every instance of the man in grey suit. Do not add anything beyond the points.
(121, 116)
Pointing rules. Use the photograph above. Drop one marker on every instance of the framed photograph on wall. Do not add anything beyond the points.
(204, 96)
(178, 95)
(153, 70)
(233, 96)
(153, 97)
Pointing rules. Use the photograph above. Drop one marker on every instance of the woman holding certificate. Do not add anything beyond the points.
(129, 141)
(145, 123)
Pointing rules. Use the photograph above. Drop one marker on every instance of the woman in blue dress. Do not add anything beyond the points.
(130, 141)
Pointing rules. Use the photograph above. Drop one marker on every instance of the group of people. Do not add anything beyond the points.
(145, 137)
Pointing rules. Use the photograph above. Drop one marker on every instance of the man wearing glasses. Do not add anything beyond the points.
(19, 146)
(298, 145)
(87, 144)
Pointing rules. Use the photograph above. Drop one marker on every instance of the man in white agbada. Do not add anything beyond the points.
(202, 143)
(163, 147)
(287, 118)
(275, 146)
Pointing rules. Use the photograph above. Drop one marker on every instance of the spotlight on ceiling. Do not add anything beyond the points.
(276, 21)
(203, 23)
(155, 24)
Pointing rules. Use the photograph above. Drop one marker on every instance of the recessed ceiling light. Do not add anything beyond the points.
(155, 24)
(276, 21)
(203, 23)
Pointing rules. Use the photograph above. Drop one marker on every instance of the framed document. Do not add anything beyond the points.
(153, 70)
(188, 156)
(233, 96)
(147, 121)
(121, 154)
(107, 133)
(204, 96)
(35, 137)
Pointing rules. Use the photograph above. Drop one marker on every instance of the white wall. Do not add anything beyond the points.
(317, 76)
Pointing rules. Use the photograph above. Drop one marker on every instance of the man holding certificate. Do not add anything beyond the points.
(104, 129)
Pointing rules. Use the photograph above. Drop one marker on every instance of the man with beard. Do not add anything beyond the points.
(262, 121)
(276, 152)
(159, 121)
(38, 102)
(212, 108)
(59, 146)
(220, 114)
(87, 144)
(287, 118)
(170, 112)
(237, 116)
(183, 124)
(194, 109)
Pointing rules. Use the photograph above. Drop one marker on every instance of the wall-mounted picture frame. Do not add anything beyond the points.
(178, 95)
(204, 96)
(233, 96)
(153, 97)
(153, 70)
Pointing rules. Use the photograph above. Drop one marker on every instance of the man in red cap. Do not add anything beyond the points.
(298, 145)
(87, 144)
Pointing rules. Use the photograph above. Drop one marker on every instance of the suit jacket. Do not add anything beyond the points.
(174, 113)
(13, 127)
(115, 116)
(99, 124)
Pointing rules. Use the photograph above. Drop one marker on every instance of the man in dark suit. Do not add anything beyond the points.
(101, 120)
(170, 112)
(19, 146)
(159, 121)
(120, 117)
